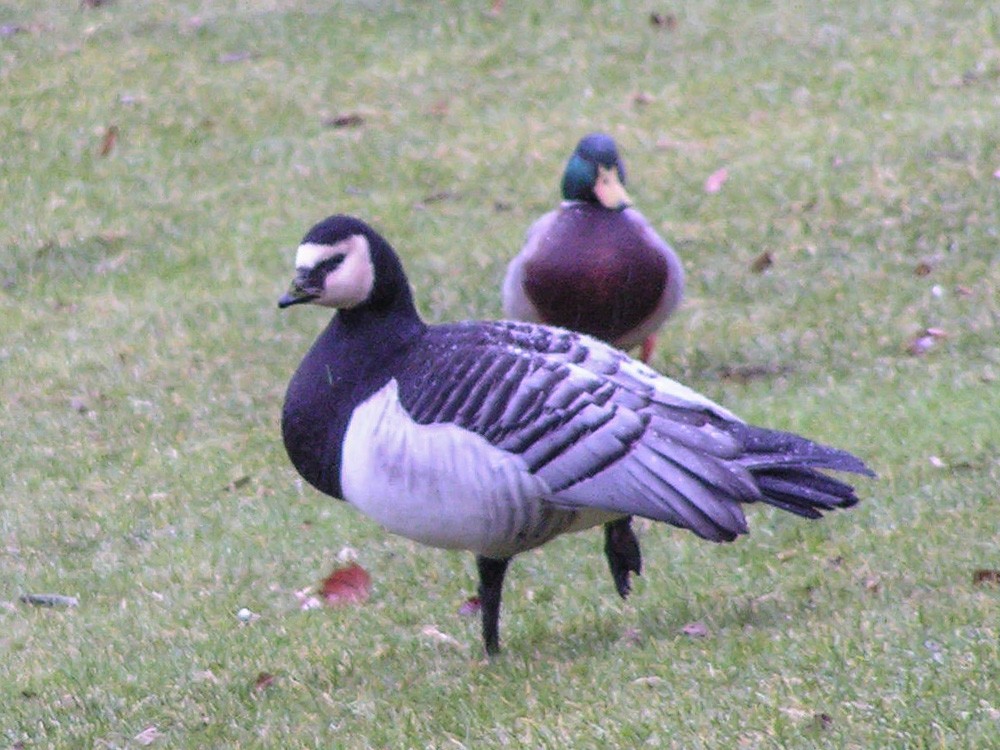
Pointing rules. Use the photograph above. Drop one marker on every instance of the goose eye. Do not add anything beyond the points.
(330, 263)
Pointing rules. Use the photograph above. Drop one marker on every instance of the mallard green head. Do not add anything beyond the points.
(596, 174)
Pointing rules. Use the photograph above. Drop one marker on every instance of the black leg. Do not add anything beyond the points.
(622, 550)
(491, 573)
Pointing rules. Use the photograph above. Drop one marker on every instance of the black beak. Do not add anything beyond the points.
(297, 295)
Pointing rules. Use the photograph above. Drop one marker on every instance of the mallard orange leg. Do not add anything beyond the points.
(647, 348)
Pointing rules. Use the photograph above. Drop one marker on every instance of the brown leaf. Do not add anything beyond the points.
(696, 629)
(50, 600)
(762, 262)
(986, 576)
(349, 120)
(108, 141)
(923, 268)
(872, 584)
(666, 21)
(237, 483)
(822, 720)
(348, 585)
(715, 181)
(263, 682)
(641, 98)
(470, 607)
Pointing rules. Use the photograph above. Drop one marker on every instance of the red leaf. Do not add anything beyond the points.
(348, 585)
(109, 140)
(470, 607)
(716, 180)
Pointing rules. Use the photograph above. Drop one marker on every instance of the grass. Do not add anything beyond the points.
(143, 365)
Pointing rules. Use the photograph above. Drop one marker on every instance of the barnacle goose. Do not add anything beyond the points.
(496, 437)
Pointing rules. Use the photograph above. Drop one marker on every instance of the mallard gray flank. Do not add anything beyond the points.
(495, 437)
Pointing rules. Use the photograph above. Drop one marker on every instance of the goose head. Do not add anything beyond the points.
(345, 264)
(595, 173)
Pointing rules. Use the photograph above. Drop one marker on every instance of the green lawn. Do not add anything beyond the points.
(143, 364)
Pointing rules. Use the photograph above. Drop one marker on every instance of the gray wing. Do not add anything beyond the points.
(603, 431)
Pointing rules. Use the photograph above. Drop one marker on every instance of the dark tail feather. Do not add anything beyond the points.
(785, 468)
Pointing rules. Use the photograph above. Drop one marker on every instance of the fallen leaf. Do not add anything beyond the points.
(667, 21)
(148, 736)
(986, 576)
(470, 607)
(762, 262)
(748, 373)
(263, 682)
(436, 635)
(963, 291)
(237, 483)
(822, 720)
(716, 180)
(349, 120)
(641, 98)
(696, 629)
(923, 268)
(108, 141)
(348, 585)
(50, 600)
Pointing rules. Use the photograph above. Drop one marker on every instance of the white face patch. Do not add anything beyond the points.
(350, 283)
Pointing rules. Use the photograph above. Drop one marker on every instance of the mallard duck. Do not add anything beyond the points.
(496, 437)
(595, 264)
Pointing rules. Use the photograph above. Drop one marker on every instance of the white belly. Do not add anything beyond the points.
(444, 486)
